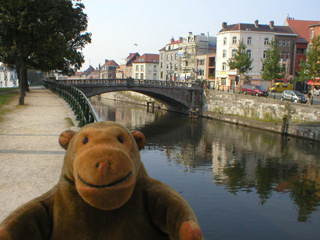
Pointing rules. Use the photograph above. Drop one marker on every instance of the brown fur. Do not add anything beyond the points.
(104, 192)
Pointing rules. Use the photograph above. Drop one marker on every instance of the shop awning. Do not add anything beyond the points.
(315, 82)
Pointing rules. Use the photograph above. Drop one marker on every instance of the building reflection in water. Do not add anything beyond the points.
(240, 159)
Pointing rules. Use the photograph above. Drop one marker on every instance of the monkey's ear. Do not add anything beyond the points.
(65, 138)
(140, 139)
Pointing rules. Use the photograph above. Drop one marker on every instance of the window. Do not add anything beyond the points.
(284, 43)
(161, 65)
(137, 67)
(288, 43)
(249, 53)
(141, 76)
(168, 57)
(223, 81)
(312, 33)
(161, 55)
(176, 56)
(234, 40)
(137, 75)
(224, 66)
(224, 41)
(171, 56)
(142, 68)
(176, 66)
(234, 52)
(161, 75)
(249, 40)
(264, 54)
(154, 68)
(300, 51)
(280, 43)
(224, 53)
(154, 76)
(266, 41)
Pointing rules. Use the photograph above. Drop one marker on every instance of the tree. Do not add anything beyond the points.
(241, 60)
(271, 66)
(47, 35)
(310, 69)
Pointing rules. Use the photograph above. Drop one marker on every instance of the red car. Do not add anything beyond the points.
(254, 90)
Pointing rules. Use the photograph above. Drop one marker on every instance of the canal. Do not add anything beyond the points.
(242, 183)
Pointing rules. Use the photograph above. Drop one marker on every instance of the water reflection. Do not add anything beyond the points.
(238, 159)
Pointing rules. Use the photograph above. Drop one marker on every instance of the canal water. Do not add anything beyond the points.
(242, 183)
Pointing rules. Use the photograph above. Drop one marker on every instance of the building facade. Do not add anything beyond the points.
(108, 69)
(192, 47)
(169, 60)
(301, 27)
(8, 77)
(146, 67)
(257, 38)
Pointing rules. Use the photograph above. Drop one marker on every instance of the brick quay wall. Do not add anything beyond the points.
(301, 120)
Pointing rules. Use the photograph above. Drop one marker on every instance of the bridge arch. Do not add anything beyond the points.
(180, 97)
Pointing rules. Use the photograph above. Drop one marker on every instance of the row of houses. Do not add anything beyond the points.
(203, 57)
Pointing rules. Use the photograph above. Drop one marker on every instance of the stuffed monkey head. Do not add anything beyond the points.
(103, 161)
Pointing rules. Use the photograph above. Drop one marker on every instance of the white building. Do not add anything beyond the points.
(146, 67)
(257, 38)
(192, 47)
(8, 77)
(169, 60)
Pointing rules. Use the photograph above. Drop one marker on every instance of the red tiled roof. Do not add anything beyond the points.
(301, 27)
(78, 73)
(110, 63)
(175, 42)
(148, 58)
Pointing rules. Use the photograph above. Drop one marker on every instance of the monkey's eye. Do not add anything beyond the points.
(85, 140)
(120, 139)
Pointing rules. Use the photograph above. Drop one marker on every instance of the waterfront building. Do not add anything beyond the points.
(169, 60)
(186, 59)
(192, 47)
(126, 68)
(304, 30)
(257, 38)
(109, 69)
(146, 67)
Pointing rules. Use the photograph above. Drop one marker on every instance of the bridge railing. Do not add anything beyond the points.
(79, 103)
(133, 82)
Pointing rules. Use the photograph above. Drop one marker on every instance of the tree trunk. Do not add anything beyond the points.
(26, 83)
(22, 83)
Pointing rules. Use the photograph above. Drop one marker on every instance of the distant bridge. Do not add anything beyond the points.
(177, 96)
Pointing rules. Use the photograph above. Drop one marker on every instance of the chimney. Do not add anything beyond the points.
(272, 24)
(256, 23)
(224, 24)
(172, 40)
(190, 33)
(181, 39)
(106, 60)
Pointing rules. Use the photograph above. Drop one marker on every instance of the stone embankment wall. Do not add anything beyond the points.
(302, 120)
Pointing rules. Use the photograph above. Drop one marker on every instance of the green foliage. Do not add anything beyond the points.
(241, 60)
(272, 68)
(42, 34)
(310, 69)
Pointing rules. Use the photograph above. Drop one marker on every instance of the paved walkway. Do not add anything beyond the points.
(30, 155)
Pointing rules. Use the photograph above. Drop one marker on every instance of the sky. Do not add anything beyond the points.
(126, 26)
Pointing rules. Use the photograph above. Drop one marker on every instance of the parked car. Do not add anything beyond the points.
(316, 92)
(293, 96)
(254, 90)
